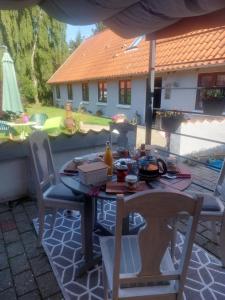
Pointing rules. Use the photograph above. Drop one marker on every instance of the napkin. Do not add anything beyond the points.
(71, 168)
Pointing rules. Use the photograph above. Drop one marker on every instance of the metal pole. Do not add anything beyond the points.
(150, 90)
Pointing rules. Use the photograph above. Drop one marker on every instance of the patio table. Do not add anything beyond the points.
(23, 127)
(90, 218)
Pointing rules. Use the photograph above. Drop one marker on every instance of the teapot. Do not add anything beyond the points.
(151, 167)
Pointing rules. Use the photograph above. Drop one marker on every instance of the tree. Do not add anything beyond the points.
(98, 27)
(37, 43)
(74, 44)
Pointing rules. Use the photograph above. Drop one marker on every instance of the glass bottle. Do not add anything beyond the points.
(108, 158)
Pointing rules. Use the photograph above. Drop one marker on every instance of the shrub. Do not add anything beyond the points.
(99, 113)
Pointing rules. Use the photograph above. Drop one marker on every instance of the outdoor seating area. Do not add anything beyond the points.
(60, 239)
(112, 150)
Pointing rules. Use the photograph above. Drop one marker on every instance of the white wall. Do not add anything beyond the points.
(138, 94)
(210, 128)
(183, 93)
(183, 84)
(183, 99)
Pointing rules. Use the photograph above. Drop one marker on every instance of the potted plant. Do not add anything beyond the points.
(213, 101)
(170, 120)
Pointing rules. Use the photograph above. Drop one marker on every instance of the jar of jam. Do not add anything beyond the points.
(121, 172)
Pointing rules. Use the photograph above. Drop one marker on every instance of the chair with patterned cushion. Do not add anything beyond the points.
(213, 211)
(140, 266)
(50, 193)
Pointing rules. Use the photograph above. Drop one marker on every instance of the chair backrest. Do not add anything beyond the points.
(220, 187)
(39, 118)
(41, 156)
(160, 209)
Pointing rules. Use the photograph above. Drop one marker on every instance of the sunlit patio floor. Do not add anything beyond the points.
(25, 272)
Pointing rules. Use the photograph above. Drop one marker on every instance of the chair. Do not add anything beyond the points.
(140, 266)
(213, 210)
(50, 193)
(6, 129)
(39, 119)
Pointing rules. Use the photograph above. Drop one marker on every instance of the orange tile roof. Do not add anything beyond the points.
(104, 55)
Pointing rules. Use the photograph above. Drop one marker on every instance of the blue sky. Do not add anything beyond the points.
(72, 31)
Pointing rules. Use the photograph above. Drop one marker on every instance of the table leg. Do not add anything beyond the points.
(90, 259)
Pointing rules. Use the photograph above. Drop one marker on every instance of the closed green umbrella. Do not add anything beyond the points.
(10, 94)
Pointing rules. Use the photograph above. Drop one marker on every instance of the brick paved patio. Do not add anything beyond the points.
(25, 272)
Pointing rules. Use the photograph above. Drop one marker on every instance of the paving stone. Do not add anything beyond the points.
(31, 296)
(15, 249)
(1, 235)
(200, 240)
(40, 265)
(28, 202)
(2, 246)
(29, 237)
(11, 236)
(24, 283)
(4, 207)
(32, 212)
(212, 248)
(5, 280)
(8, 294)
(32, 250)
(6, 216)
(7, 225)
(18, 208)
(21, 217)
(3, 261)
(24, 226)
(19, 264)
(57, 296)
(208, 234)
(47, 285)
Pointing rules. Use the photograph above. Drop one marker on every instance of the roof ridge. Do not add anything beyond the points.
(189, 34)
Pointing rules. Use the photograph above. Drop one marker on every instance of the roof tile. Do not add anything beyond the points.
(105, 55)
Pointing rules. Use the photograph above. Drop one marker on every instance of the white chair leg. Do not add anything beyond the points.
(222, 241)
(105, 282)
(41, 224)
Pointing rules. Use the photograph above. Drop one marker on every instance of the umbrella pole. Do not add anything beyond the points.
(150, 90)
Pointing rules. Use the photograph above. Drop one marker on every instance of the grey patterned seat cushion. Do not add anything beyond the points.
(210, 201)
(61, 192)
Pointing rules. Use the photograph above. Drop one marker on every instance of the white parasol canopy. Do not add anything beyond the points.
(129, 18)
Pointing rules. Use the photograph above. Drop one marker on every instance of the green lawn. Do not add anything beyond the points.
(59, 112)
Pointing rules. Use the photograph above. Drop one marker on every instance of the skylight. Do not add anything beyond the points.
(135, 42)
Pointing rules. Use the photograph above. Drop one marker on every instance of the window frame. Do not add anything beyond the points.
(85, 92)
(57, 90)
(127, 92)
(200, 87)
(102, 87)
(69, 91)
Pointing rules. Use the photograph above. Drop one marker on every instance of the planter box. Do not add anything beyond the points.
(213, 107)
(170, 124)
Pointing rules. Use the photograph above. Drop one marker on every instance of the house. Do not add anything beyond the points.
(108, 73)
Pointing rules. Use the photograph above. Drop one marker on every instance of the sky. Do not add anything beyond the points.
(73, 30)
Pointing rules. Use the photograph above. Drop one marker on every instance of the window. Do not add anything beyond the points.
(135, 42)
(57, 88)
(125, 92)
(102, 91)
(85, 91)
(70, 91)
(208, 80)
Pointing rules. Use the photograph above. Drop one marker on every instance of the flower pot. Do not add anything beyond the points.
(213, 106)
(170, 124)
